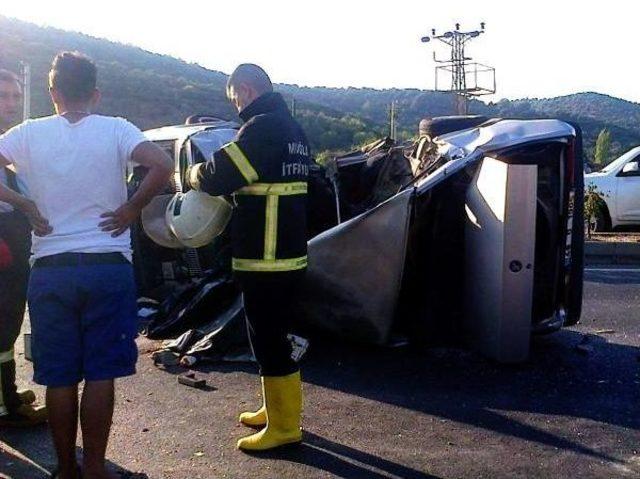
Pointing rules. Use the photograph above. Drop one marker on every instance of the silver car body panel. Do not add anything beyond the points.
(355, 272)
(500, 236)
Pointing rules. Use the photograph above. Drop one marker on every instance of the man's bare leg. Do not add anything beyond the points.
(63, 420)
(96, 414)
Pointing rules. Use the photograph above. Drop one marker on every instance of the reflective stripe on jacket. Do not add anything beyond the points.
(266, 168)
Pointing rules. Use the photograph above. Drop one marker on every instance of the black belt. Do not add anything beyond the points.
(77, 259)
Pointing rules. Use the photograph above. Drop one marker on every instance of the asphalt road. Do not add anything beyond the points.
(369, 413)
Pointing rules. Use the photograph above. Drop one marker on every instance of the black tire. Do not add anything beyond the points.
(576, 280)
(442, 125)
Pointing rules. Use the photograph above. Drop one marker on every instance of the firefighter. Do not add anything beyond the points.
(266, 170)
(16, 407)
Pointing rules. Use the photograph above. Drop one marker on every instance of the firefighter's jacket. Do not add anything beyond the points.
(266, 169)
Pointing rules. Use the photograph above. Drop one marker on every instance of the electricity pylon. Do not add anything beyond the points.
(464, 73)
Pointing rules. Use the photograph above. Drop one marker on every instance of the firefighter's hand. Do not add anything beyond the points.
(193, 177)
(38, 222)
(118, 221)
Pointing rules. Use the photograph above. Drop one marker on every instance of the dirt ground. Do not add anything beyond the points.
(572, 410)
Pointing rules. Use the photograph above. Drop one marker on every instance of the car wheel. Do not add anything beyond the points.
(576, 282)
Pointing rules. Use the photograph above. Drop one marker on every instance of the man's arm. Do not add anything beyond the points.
(220, 175)
(237, 164)
(160, 167)
(39, 224)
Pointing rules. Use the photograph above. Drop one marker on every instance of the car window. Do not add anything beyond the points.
(210, 141)
(184, 163)
(166, 146)
(622, 160)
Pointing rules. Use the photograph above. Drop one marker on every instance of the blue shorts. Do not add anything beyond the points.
(83, 323)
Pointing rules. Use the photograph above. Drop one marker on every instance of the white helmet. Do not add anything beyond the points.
(154, 222)
(196, 218)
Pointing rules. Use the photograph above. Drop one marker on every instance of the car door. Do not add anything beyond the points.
(628, 191)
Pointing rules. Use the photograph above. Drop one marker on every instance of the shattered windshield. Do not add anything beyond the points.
(210, 141)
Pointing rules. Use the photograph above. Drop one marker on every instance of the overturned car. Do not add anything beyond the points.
(471, 235)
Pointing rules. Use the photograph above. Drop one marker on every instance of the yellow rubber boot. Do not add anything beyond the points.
(254, 419)
(257, 418)
(283, 400)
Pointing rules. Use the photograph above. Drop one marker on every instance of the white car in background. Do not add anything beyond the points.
(618, 185)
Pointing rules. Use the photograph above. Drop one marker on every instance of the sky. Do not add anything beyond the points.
(540, 48)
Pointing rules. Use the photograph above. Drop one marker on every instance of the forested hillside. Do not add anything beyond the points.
(153, 90)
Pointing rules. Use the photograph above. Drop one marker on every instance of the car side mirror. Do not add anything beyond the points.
(631, 169)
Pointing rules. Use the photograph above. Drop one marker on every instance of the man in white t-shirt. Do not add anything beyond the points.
(82, 296)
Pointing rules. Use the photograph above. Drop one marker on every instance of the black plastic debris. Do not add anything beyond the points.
(221, 338)
(191, 306)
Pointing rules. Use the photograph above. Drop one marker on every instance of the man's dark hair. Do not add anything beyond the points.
(251, 75)
(73, 75)
(9, 76)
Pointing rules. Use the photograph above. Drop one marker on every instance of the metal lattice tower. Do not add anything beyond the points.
(459, 67)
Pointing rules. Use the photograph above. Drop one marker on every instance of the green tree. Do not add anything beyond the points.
(603, 148)
(593, 210)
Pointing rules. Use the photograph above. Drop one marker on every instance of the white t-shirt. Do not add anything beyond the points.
(74, 173)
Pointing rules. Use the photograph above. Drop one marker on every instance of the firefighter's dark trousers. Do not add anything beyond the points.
(268, 300)
(15, 231)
